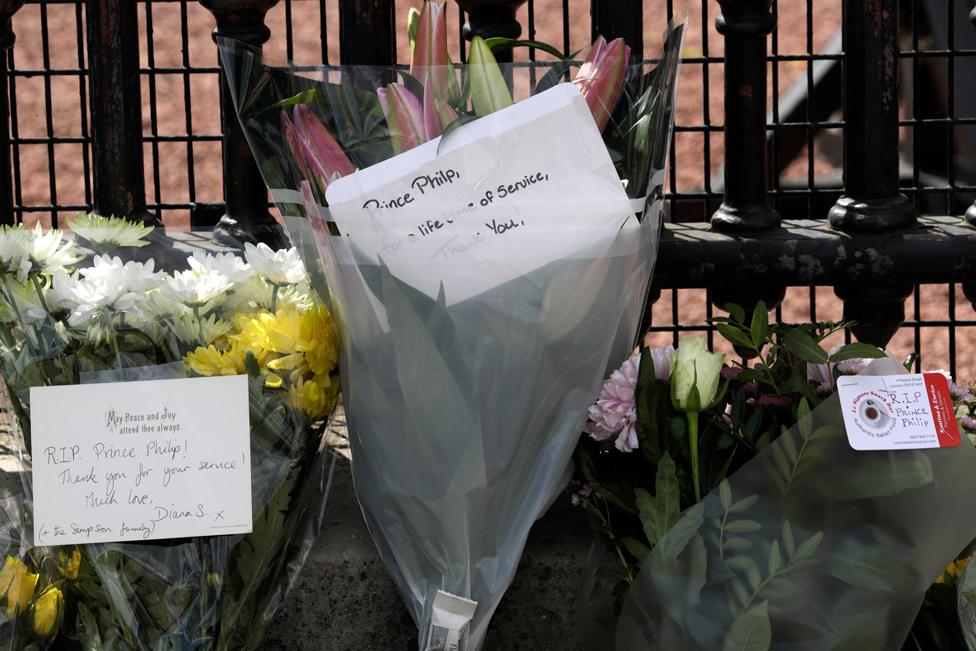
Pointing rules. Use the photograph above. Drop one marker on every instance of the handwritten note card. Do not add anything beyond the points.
(503, 196)
(141, 460)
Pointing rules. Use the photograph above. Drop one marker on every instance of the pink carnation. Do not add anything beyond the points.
(968, 423)
(615, 413)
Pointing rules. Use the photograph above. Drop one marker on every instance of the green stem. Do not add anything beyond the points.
(274, 298)
(692, 417)
(118, 355)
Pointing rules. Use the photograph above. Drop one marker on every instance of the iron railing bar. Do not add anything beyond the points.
(49, 116)
(191, 177)
(153, 121)
(83, 102)
(14, 130)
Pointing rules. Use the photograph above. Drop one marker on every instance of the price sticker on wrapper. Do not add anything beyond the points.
(898, 412)
(133, 461)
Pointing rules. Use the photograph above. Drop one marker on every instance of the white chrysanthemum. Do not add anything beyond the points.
(107, 233)
(13, 251)
(282, 267)
(49, 252)
(199, 332)
(202, 290)
(256, 294)
(110, 286)
(156, 313)
(234, 268)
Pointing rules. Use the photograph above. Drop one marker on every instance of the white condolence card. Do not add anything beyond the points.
(898, 412)
(141, 460)
(505, 195)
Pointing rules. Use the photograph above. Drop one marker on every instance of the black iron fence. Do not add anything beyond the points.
(92, 85)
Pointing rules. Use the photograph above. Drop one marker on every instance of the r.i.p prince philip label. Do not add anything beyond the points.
(898, 412)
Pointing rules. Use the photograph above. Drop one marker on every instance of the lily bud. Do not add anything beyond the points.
(297, 151)
(404, 115)
(324, 160)
(695, 375)
(601, 77)
(438, 114)
(47, 611)
(431, 59)
(489, 91)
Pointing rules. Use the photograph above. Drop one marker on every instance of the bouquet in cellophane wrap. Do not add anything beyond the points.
(487, 260)
(95, 308)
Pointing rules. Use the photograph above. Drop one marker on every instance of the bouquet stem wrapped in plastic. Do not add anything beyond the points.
(484, 274)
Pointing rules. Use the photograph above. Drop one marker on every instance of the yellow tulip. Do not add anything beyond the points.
(47, 611)
(69, 564)
(17, 585)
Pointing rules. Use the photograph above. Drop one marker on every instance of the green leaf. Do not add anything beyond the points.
(554, 76)
(808, 547)
(639, 550)
(725, 494)
(870, 567)
(671, 546)
(803, 421)
(857, 351)
(659, 513)
(804, 346)
(759, 328)
(736, 312)
(966, 604)
(736, 544)
(453, 126)
(741, 563)
(742, 526)
(500, 44)
(775, 558)
(734, 336)
(744, 504)
(882, 474)
(750, 631)
(788, 542)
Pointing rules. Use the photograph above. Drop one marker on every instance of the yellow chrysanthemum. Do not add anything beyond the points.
(69, 564)
(47, 611)
(212, 361)
(316, 397)
(955, 570)
(17, 585)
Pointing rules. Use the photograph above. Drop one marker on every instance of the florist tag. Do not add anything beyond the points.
(503, 196)
(125, 461)
(898, 412)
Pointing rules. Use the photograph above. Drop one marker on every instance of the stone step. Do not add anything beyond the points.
(344, 598)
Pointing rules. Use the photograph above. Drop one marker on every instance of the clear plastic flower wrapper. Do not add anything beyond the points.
(487, 235)
(98, 306)
(810, 545)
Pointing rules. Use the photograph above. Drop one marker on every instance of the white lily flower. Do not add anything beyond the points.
(234, 268)
(282, 267)
(107, 233)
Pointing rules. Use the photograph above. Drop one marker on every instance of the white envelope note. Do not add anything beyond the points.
(148, 460)
(505, 195)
